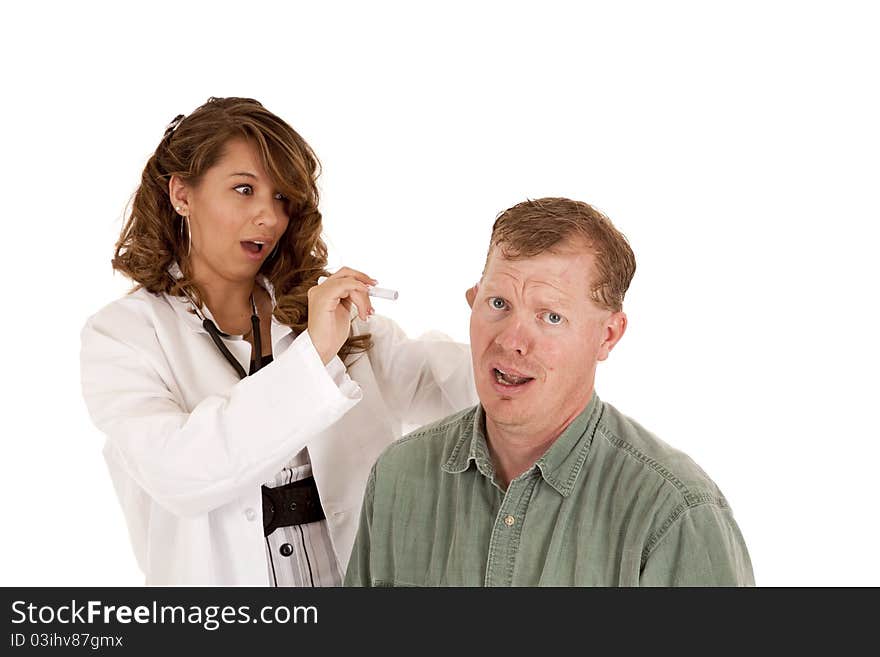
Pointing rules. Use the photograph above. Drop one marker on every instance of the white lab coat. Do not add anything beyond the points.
(188, 443)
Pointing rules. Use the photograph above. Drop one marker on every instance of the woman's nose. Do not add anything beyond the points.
(267, 215)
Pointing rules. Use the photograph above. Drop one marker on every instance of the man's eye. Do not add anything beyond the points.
(497, 303)
(244, 190)
(552, 318)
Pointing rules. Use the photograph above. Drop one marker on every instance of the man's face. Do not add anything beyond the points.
(536, 337)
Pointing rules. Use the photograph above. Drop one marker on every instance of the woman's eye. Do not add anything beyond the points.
(244, 190)
(552, 318)
(280, 197)
(497, 303)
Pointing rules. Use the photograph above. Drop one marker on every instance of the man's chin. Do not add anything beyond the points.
(508, 413)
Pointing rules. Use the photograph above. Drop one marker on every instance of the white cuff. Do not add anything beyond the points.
(336, 371)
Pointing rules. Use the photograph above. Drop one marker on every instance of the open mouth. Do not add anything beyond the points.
(510, 380)
(253, 247)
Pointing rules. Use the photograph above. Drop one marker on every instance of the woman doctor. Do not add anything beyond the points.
(243, 402)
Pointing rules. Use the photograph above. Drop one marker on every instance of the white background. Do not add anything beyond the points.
(735, 144)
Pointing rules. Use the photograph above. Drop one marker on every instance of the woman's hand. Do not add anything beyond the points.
(330, 307)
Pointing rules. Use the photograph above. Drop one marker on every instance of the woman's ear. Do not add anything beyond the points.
(178, 192)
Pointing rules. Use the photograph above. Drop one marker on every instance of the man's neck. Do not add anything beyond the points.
(516, 448)
(513, 454)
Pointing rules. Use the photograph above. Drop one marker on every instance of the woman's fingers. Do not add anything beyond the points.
(330, 312)
(331, 292)
(354, 273)
(330, 309)
(360, 298)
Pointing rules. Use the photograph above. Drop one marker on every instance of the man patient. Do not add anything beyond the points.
(543, 483)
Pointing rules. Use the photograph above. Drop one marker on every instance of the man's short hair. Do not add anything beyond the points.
(549, 224)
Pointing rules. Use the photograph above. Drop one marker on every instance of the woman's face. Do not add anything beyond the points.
(235, 213)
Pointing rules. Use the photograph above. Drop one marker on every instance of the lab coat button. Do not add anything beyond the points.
(286, 550)
(250, 514)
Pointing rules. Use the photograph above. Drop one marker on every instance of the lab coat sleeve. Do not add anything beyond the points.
(422, 379)
(193, 462)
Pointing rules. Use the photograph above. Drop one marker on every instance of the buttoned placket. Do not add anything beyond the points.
(507, 532)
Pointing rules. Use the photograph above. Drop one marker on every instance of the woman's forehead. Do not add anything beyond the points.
(239, 154)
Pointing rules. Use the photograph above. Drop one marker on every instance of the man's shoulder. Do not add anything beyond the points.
(433, 442)
(657, 459)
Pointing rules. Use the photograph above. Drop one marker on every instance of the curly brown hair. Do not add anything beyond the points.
(538, 225)
(153, 237)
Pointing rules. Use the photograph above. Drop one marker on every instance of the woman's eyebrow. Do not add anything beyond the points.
(244, 173)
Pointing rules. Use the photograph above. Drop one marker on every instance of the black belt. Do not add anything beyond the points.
(292, 504)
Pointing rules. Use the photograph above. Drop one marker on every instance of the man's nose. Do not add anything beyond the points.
(514, 336)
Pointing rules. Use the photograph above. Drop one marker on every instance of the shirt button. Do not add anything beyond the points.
(250, 514)
(286, 550)
(509, 520)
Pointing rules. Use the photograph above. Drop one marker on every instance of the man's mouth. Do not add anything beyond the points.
(510, 379)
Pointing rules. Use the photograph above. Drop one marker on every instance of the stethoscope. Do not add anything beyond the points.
(217, 336)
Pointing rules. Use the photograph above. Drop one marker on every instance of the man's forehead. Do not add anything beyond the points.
(560, 269)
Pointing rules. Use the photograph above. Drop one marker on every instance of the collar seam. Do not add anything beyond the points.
(689, 496)
(565, 488)
(452, 465)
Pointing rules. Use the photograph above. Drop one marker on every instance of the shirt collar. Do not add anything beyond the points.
(560, 465)
(176, 273)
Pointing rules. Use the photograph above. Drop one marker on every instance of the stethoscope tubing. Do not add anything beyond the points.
(217, 338)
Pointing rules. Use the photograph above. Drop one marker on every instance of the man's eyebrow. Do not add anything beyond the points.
(243, 173)
(555, 294)
(547, 284)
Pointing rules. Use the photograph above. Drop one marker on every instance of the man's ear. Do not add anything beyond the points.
(615, 327)
(471, 294)
(178, 192)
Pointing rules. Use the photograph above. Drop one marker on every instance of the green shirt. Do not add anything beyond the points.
(608, 504)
